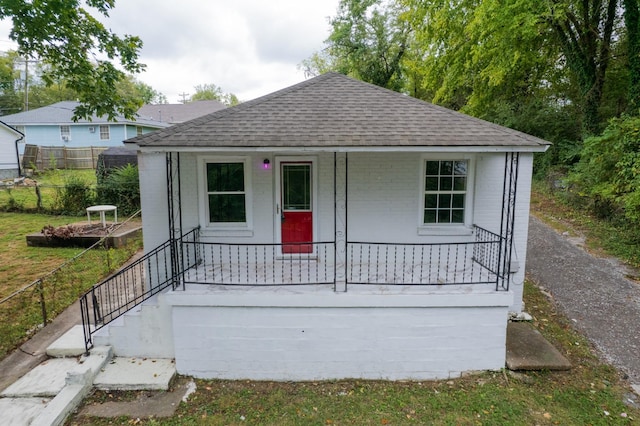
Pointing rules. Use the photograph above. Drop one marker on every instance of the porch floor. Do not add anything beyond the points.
(304, 272)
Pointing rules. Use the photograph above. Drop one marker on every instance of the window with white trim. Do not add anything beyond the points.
(446, 185)
(104, 132)
(226, 192)
(65, 133)
(138, 130)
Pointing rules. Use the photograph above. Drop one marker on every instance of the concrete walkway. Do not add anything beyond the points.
(593, 292)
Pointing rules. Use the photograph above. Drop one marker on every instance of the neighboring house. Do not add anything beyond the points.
(179, 113)
(53, 126)
(332, 229)
(9, 159)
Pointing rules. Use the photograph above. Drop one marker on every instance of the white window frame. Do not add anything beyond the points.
(105, 132)
(234, 229)
(465, 228)
(65, 132)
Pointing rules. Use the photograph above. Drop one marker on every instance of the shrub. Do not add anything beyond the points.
(74, 197)
(609, 170)
(121, 187)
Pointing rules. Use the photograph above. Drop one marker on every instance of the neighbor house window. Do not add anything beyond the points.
(65, 133)
(104, 132)
(226, 192)
(445, 191)
(138, 131)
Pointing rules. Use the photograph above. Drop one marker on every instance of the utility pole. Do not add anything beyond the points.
(184, 97)
(26, 80)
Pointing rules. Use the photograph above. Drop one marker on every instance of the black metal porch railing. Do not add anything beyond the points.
(260, 264)
(132, 285)
(473, 262)
(186, 260)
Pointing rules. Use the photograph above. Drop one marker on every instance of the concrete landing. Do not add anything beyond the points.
(527, 349)
(136, 374)
(47, 379)
(21, 411)
(70, 344)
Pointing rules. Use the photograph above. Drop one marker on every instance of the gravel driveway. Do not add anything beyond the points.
(593, 292)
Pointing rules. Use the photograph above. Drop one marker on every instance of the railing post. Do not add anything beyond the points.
(43, 305)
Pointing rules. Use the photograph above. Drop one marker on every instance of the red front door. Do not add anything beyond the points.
(297, 209)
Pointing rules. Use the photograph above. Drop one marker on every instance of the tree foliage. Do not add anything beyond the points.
(609, 170)
(211, 92)
(79, 49)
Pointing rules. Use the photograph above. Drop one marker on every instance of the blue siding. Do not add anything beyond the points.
(80, 135)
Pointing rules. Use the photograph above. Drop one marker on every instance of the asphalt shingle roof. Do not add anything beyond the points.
(179, 113)
(333, 110)
(61, 113)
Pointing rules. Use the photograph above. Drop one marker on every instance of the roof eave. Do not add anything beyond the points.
(341, 148)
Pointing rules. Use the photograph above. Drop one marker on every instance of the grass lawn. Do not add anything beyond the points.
(50, 182)
(20, 265)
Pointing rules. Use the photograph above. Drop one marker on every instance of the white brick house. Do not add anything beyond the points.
(332, 229)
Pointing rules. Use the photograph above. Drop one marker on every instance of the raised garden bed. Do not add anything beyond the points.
(83, 234)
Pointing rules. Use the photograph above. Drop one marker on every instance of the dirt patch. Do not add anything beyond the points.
(138, 404)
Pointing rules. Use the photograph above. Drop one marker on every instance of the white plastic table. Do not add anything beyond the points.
(102, 209)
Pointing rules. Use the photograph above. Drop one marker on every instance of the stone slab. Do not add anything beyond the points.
(527, 349)
(70, 344)
(47, 379)
(636, 389)
(21, 411)
(124, 373)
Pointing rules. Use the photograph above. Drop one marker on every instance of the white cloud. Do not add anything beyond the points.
(246, 47)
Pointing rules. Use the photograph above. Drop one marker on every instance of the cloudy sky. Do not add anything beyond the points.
(246, 47)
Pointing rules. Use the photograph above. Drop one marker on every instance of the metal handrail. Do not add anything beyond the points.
(132, 285)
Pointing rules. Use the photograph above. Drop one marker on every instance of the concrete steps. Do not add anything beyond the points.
(49, 392)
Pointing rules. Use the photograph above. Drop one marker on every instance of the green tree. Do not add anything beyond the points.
(10, 101)
(584, 30)
(632, 24)
(211, 92)
(368, 41)
(63, 34)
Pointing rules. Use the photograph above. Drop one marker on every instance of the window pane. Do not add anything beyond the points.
(446, 168)
(444, 216)
(296, 180)
(458, 201)
(431, 201)
(446, 183)
(429, 216)
(457, 216)
(431, 184)
(227, 208)
(460, 168)
(225, 177)
(444, 201)
(459, 184)
(432, 168)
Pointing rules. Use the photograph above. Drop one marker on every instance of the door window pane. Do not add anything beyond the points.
(296, 186)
